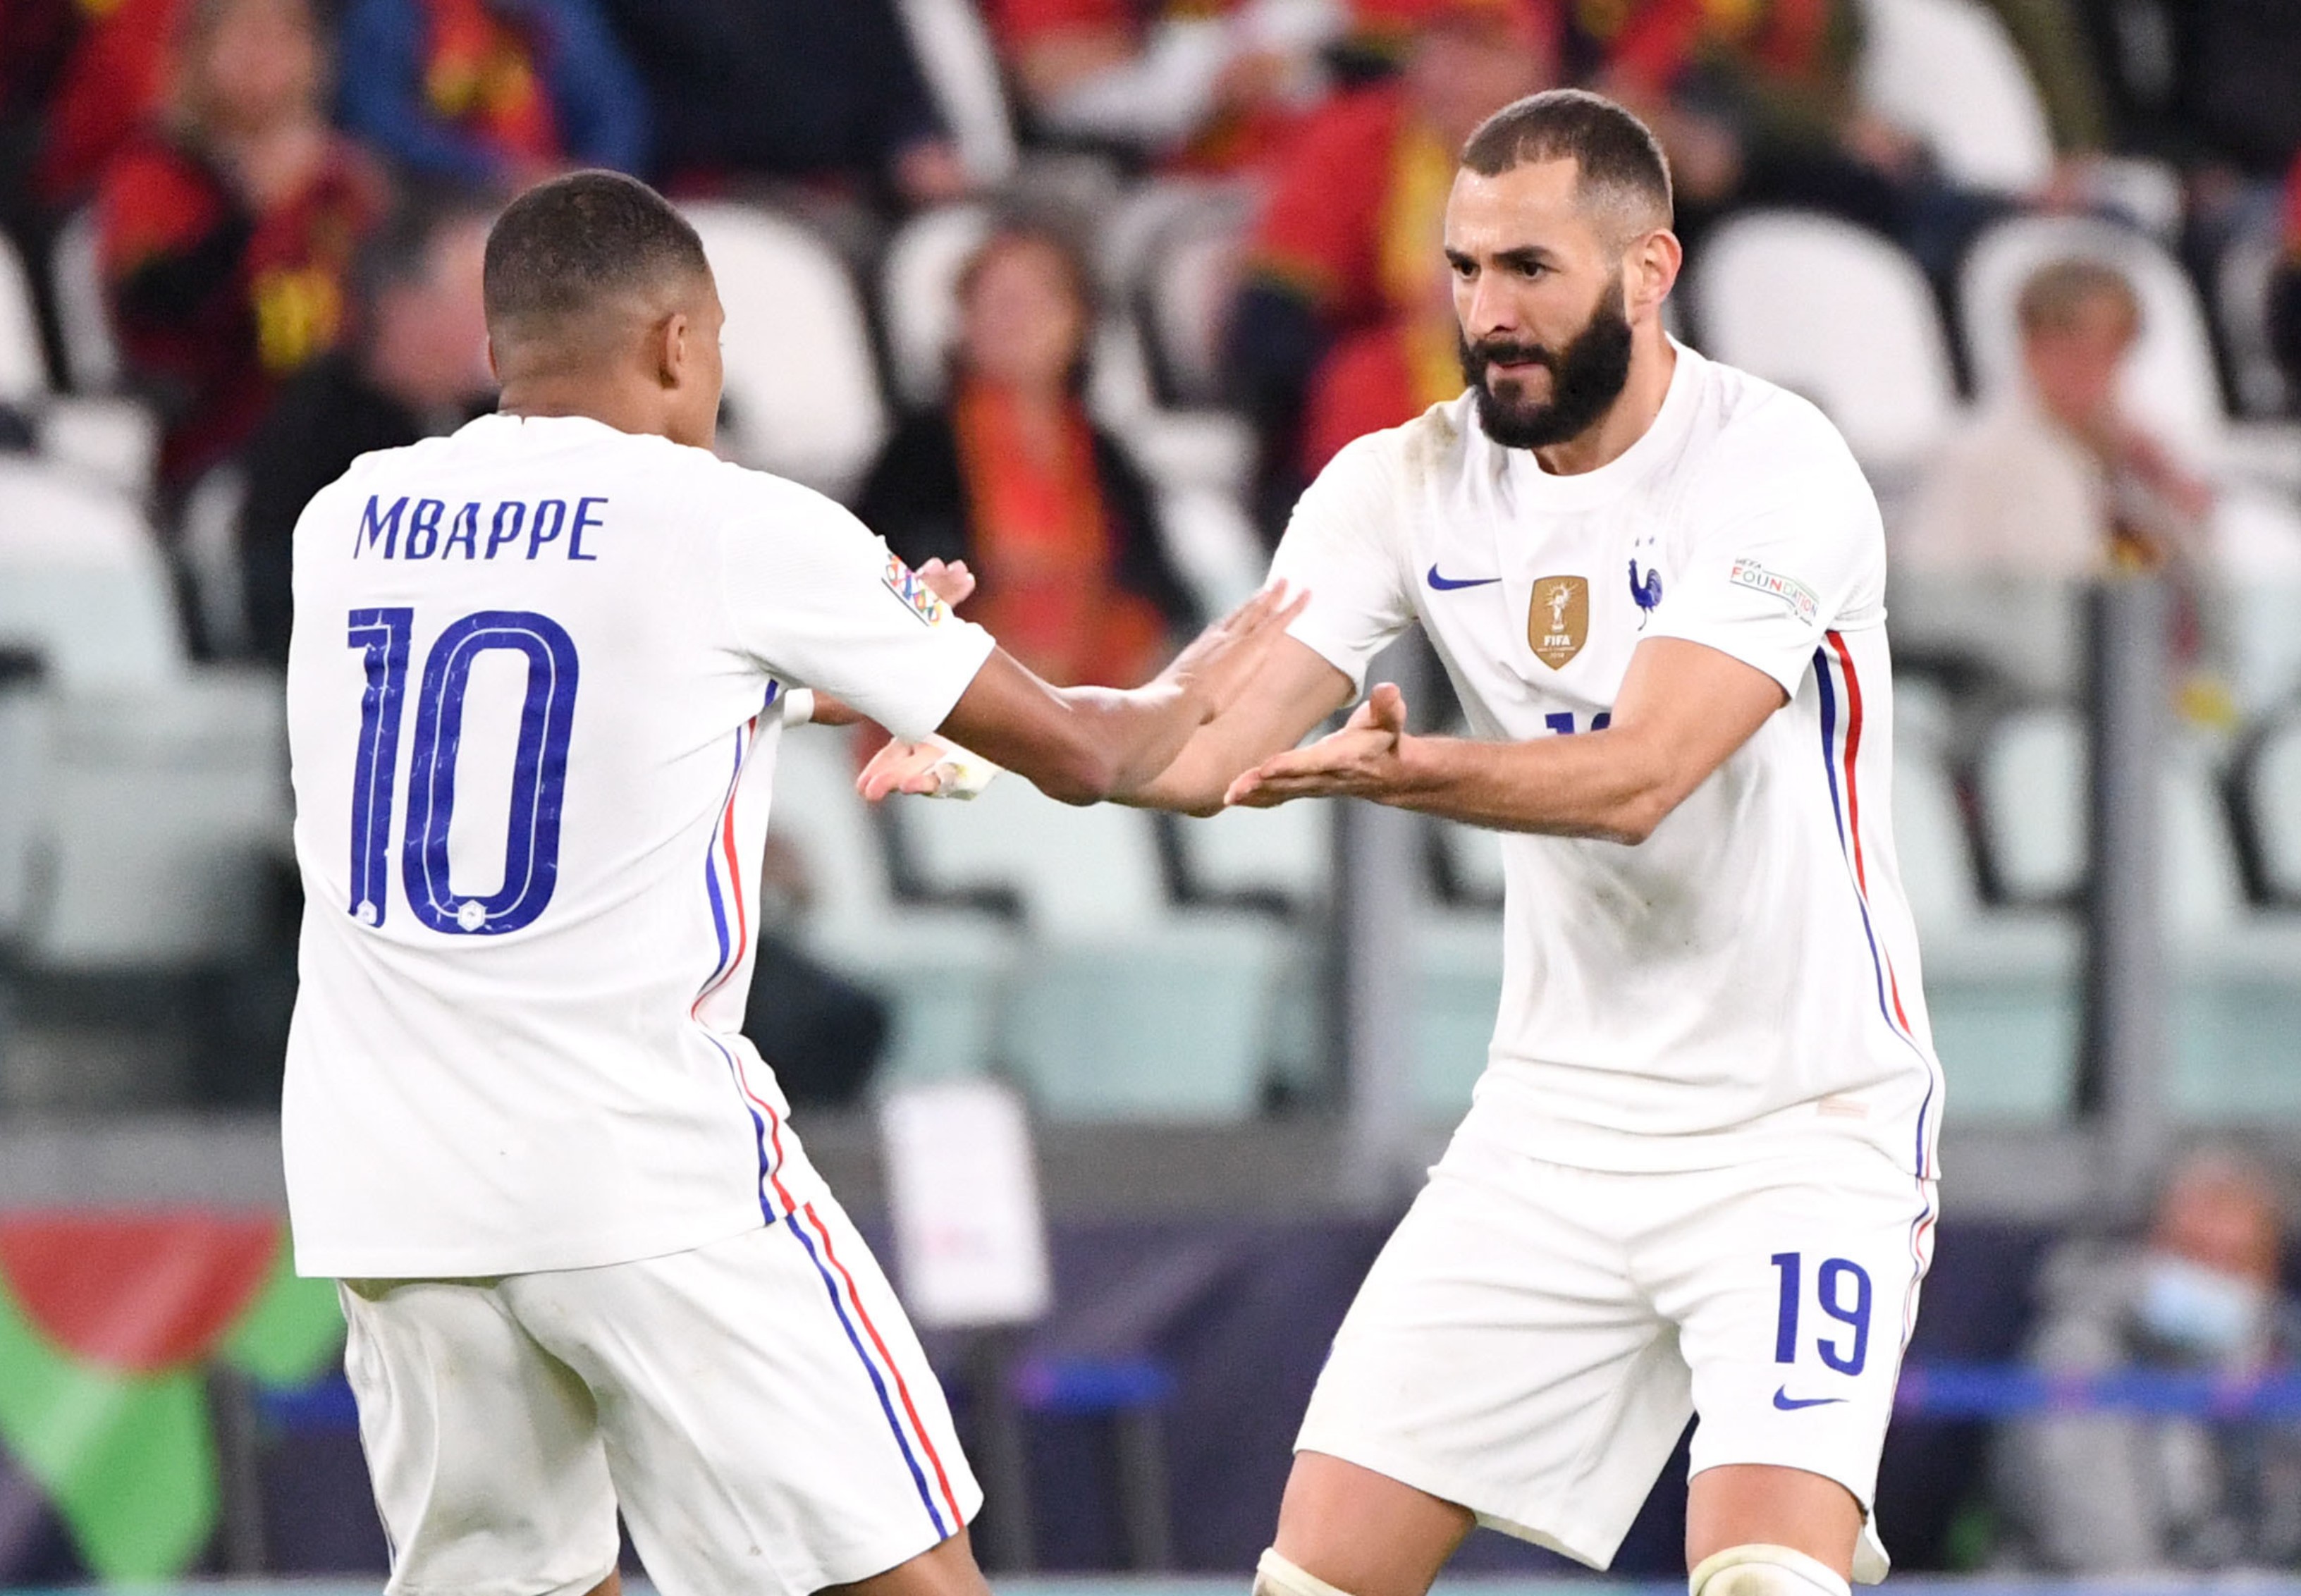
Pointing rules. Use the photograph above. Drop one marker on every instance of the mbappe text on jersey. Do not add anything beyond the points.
(422, 529)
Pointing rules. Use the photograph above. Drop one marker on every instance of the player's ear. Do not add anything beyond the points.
(673, 356)
(1651, 271)
(494, 369)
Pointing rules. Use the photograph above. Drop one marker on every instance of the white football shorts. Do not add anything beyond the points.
(759, 1409)
(1532, 1339)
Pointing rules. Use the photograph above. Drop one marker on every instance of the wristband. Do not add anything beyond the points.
(799, 706)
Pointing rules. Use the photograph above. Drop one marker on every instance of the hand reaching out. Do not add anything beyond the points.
(1362, 760)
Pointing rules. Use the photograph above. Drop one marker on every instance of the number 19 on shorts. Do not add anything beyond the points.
(1842, 1292)
(538, 767)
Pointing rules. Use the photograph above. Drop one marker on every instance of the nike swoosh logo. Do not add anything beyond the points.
(1790, 1404)
(1447, 584)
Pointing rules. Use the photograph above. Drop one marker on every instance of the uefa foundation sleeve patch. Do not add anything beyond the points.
(1800, 599)
(904, 583)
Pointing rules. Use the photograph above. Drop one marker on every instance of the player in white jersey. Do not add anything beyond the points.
(1697, 1175)
(538, 675)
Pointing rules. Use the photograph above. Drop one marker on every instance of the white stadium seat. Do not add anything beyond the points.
(23, 367)
(918, 283)
(163, 806)
(91, 353)
(961, 67)
(944, 970)
(2170, 382)
(1836, 314)
(802, 394)
(1124, 1008)
(82, 581)
(2033, 785)
(1947, 71)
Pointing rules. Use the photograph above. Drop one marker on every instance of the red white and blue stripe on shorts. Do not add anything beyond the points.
(722, 875)
(1842, 725)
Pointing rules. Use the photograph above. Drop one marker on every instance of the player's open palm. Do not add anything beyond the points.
(1221, 660)
(1362, 760)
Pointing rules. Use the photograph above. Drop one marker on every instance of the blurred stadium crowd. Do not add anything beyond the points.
(1084, 291)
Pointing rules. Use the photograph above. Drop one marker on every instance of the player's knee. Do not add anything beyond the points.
(1275, 1576)
(1759, 1570)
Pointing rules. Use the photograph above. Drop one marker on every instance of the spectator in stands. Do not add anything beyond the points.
(1351, 229)
(417, 366)
(1383, 375)
(1757, 103)
(228, 229)
(112, 81)
(1011, 476)
(490, 92)
(827, 95)
(1210, 86)
(2128, 1493)
(2056, 479)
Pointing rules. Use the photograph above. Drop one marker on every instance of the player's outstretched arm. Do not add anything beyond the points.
(1086, 744)
(1291, 691)
(1683, 709)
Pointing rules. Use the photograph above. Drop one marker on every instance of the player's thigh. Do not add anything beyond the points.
(1499, 1357)
(484, 1450)
(771, 1424)
(1795, 1285)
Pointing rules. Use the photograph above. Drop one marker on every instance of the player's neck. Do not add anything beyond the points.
(1652, 362)
(626, 409)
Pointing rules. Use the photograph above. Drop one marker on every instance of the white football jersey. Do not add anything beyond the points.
(534, 704)
(1750, 972)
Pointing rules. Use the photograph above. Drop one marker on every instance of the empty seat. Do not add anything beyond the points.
(918, 283)
(2032, 778)
(1123, 1008)
(2026, 633)
(1947, 71)
(1839, 314)
(91, 353)
(802, 393)
(2169, 381)
(1930, 838)
(23, 366)
(961, 67)
(944, 970)
(24, 764)
(82, 581)
(2241, 294)
(165, 808)
(1186, 303)
(1286, 855)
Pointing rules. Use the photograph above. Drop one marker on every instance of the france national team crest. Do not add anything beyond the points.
(1645, 590)
(904, 583)
(1558, 619)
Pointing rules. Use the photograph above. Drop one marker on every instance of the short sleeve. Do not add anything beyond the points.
(1342, 545)
(1787, 549)
(818, 599)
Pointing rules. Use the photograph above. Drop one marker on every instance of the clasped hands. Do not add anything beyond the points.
(1363, 760)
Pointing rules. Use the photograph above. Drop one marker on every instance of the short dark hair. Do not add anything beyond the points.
(565, 245)
(1617, 156)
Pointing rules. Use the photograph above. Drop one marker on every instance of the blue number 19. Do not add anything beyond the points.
(1846, 1358)
(538, 770)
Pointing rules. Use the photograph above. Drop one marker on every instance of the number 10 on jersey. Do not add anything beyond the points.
(539, 768)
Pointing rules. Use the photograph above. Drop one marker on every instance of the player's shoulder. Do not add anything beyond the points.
(1766, 427)
(1437, 446)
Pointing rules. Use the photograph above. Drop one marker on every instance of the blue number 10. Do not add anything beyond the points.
(539, 770)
